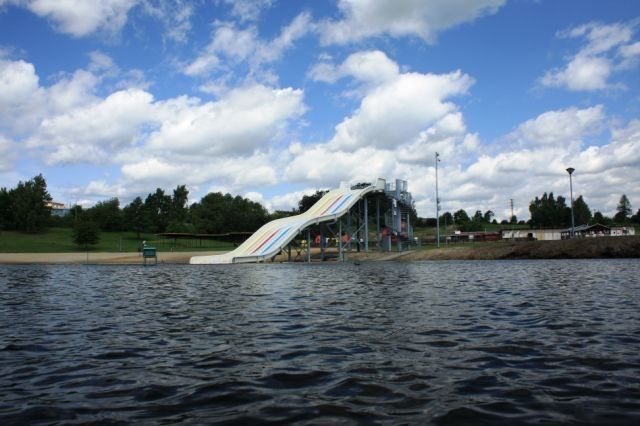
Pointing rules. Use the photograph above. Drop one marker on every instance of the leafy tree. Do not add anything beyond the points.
(549, 212)
(447, 218)
(581, 212)
(461, 217)
(28, 203)
(623, 210)
(106, 214)
(86, 233)
(6, 217)
(217, 213)
(279, 214)
(513, 220)
(308, 201)
(179, 209)
(157, 207)
(70, 219)
(598, 217)
(488, 216)
(135, 218)
(361, 185)
(636, 217)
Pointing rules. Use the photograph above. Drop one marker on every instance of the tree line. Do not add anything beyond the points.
(25, 208)
(547, 211)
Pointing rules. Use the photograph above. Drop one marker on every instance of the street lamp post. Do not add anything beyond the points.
(570, 170)
(437, 203)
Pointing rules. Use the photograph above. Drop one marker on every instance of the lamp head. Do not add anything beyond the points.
(570, 170)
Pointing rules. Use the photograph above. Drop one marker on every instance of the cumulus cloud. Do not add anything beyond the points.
(175, 15)
(230, 140)
(81, 18)
(561, 127)
(231, 45)
(402, 119)
(87, 133)
(419, 18)
(606, 49)
(248, 10)
(8, 153)
(246, 119)
(19, 94)
(373, 67)
(399, 108)
(537, 164)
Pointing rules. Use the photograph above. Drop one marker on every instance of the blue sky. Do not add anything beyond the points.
(274, 99)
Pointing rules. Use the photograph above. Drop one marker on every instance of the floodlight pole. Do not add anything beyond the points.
(437, 203)
(570, 170)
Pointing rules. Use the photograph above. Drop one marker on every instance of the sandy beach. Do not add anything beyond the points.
(130, 258)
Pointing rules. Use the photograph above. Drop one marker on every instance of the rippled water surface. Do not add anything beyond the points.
(433, 342)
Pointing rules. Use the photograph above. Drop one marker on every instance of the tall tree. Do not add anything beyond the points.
(29, 205)
(549, 212)
(134, 216)
(178, 211)
(106, 214)
(461, 217)
(581, 212)
(217, 213)
(157, 207)
(6, 217)
(623, 210)
(488, 216)
(447, 218)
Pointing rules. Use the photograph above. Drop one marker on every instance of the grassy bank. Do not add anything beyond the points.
(587, 248)
(60, 240)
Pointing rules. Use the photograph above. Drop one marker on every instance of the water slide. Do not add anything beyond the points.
(273, 237)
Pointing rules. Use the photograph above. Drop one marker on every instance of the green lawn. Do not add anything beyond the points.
(59, 240)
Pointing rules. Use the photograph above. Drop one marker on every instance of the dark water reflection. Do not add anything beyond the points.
(435, 342)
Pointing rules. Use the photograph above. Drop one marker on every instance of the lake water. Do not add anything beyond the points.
(425, 342)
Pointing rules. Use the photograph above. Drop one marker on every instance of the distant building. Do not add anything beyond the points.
(587, 231)
(531, 234)
(57, 209)
(459, 236)
(623, 230)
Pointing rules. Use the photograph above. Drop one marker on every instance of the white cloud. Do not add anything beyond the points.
(536, 165)
(81, 18)
(88, 134)
(174, 14)
(248, 10)
(245, 120)
(561, 127)
(395, 112)
(8, 153)
(581, 73)
(591, 68)
(230, 45)
(69, 123)
(21, 97)
(397, 18)
(373, 67)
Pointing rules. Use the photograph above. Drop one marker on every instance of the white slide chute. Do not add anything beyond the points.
(273, 237)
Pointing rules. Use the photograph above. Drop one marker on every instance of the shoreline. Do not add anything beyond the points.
(97, 258)
(590, 248)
